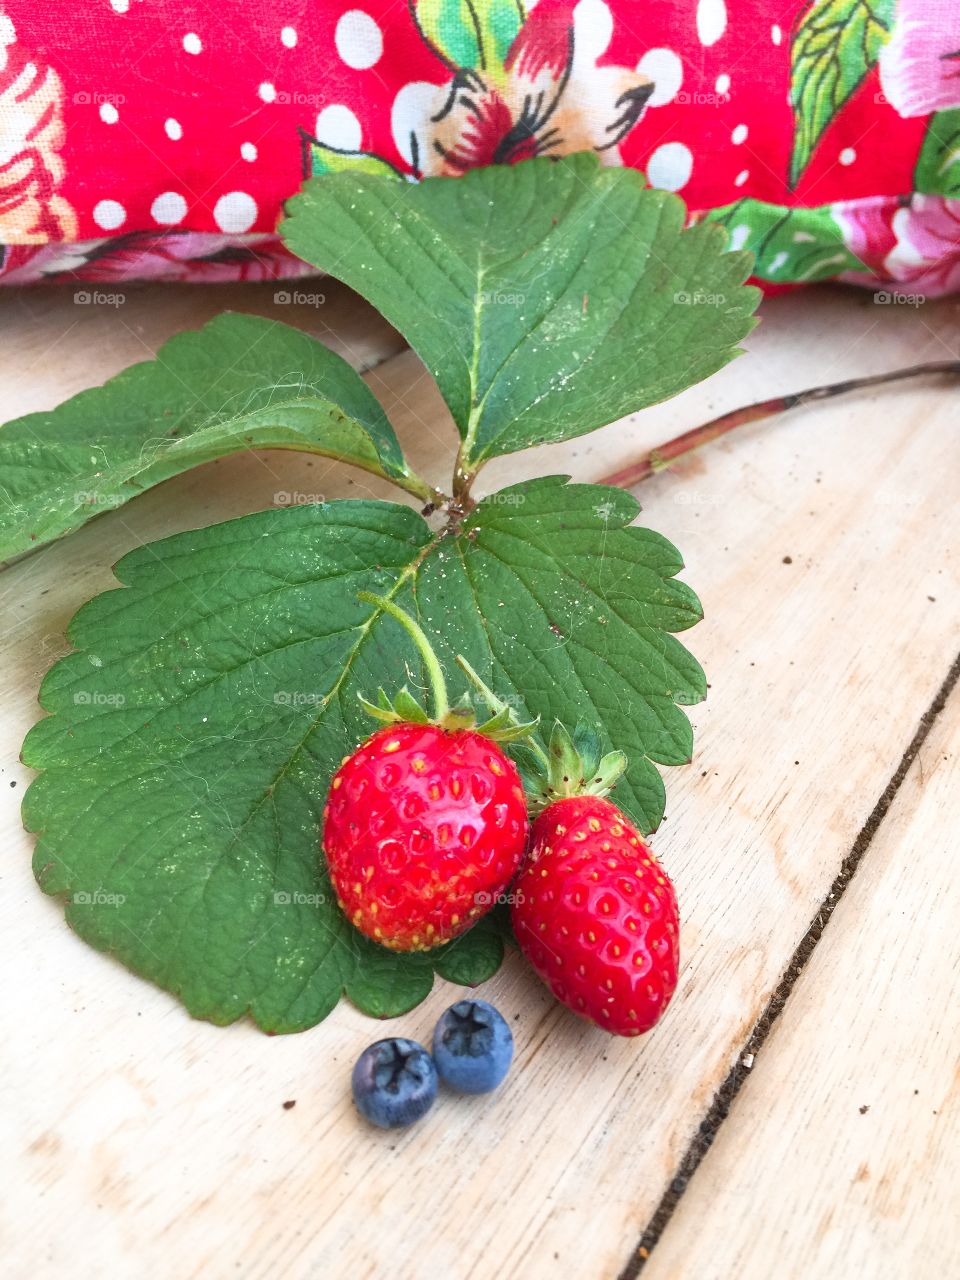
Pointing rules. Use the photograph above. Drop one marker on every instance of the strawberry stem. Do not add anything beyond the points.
(498, 706)
(572, 765)
(659, 459)
(438, 685)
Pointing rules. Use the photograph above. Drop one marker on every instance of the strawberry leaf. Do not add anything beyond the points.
(547, 298)
(241, 382)
(193, 732)
(472, 963)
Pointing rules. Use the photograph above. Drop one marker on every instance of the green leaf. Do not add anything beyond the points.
(385, 986)
(788, 245)
(194, 730)
(547, 298)
(241, 382)
(473, 963)
(835, 44)
(321, 159)
(469, 33)
(938, 165)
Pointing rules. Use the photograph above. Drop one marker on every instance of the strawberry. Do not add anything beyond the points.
(426, 822)
(593, 911)
(424, 829)
(596, 915)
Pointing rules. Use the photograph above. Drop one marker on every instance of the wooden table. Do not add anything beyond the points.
(797, 1113)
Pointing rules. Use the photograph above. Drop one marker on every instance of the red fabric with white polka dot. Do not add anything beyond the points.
(157, 119)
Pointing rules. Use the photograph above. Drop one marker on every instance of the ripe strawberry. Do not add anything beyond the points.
(593, 911)
(424, 829)
(596, 915)
(426, 823)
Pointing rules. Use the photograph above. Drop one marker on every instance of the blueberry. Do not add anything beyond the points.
(394, 1083)
(472, 1047)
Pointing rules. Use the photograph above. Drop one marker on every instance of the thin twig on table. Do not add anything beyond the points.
(664, 455)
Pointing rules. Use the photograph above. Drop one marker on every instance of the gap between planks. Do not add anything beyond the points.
(723, 1099)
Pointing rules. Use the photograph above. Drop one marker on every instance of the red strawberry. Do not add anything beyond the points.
(596, 915)
(424, 829)
(426, 823)
(593, 911)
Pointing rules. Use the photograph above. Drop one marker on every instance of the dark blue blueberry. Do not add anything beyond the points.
(394, 1083)
(472, 1047)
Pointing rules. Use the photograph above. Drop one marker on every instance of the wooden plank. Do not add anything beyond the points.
(162, 1143)
(841, 1154)
(54, 345)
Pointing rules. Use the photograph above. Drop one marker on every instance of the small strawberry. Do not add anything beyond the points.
(593, 911)
(426, 823)
(596, 916)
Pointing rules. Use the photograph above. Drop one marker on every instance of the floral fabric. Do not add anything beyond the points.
(154, 139)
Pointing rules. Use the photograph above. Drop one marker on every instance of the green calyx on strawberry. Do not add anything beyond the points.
(404, 708)
(426, 822)
(572, 765)
(592, 909)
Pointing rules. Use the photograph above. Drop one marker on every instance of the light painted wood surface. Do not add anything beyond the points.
(150, 1145)
(841, 1155)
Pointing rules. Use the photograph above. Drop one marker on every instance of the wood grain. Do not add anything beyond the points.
(54, 346)
(151, 1145)
(841, 1155)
